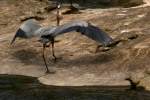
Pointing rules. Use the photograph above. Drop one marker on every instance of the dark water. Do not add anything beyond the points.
(16, 87)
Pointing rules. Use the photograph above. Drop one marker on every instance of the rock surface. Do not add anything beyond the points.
(79, 64)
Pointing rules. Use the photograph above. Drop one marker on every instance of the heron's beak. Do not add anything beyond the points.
(19, 33)
(14, 38)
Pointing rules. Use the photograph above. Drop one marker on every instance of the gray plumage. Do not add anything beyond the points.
(31, 28)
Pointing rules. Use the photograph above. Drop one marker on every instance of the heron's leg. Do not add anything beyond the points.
(53, 51)
(43, 54)
(97, 48)
(71, 5)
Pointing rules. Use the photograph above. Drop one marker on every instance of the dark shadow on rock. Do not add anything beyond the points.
(18, 87)
(28, 57)
(90, 59)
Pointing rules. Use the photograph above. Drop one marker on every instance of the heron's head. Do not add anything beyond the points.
(26, 30)
(20, 33)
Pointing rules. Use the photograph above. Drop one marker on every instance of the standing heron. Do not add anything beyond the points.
(31, 28)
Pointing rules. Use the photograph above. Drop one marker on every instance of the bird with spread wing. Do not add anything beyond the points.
(31, 28)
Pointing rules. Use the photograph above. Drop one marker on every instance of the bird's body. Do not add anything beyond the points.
(31, 28)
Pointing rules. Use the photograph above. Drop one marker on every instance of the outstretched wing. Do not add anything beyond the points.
(31, 28)
(86, 29)
(98, 35)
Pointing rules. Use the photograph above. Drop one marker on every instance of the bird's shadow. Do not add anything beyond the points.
(90, 59)
(28, 57)
(31, 56)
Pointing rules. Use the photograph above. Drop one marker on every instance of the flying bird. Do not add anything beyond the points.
(32, 28)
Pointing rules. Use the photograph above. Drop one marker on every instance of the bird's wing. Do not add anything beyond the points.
(31, 28)
(86, 29)
(98, 35)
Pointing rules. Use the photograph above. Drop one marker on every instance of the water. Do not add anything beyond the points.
(17, 87)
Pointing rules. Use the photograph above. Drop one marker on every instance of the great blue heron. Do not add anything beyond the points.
(31, 28)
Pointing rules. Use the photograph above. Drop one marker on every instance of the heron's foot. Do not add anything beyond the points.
(47, 45)
(55, 59)
(114, 43)
(102, 49)
(50, 72)
(97, 48)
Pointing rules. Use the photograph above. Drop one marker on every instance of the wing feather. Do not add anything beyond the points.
(86, 29)
(98, 35)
